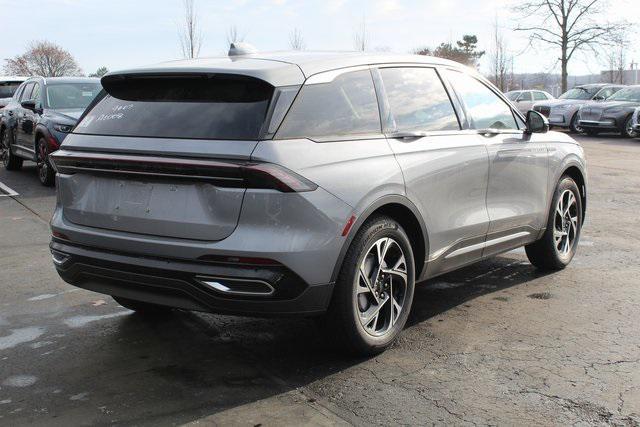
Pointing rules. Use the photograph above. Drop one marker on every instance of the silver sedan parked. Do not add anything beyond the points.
(316, 184)
(563, 112)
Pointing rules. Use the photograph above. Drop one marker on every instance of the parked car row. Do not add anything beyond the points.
(38, 117)
(592, 109)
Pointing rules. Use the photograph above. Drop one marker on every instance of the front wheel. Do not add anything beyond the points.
(374, 290)
(9, 160)
(574, 126)
(46, 174)
(627, 130)
(559, 243)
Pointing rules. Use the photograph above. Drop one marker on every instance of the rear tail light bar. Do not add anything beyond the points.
(225, 173)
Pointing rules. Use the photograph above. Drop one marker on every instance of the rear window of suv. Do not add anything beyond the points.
(193, 106)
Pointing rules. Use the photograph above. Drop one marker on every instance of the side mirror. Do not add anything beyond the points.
(536, 122)
(598, 98)
(29, 105)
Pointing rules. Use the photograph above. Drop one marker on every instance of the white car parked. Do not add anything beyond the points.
(524, 99)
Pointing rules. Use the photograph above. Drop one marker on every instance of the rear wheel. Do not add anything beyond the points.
(574, 126)
(627, 130)
(141, 307)
(9, 160)
(45, 172)
(374, 291)
(559, 243)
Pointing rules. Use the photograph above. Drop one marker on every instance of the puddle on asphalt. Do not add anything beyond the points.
(20, 381)
(20, 336)
(80, 321)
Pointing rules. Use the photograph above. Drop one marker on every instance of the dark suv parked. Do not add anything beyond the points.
(38, 118)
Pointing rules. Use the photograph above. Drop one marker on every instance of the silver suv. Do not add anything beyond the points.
(306, 183)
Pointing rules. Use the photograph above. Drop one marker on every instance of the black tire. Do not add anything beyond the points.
(544, 253)
(592, 132)
(46, 174)
(10, 161)
(346, 309)
(573, 125)
(143, 308)
(627, 129)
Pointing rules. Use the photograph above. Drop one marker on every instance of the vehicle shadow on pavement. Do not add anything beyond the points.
(112, 365)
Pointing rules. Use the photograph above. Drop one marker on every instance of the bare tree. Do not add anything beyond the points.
(296, 41)
(500, 59)
(360, 37)
(44, 59)
(233, 35)
(570, 25)
(190, 33)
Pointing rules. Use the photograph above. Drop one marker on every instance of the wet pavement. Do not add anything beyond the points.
(494, 343)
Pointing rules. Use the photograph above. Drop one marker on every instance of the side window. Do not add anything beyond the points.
(418, 100)
(26, 93)
(526, 96)
(539, 96)
(345, 106)
(18, 94)
(35, 95)
(485, 108)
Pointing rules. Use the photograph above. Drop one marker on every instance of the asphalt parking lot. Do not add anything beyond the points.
(495, 343)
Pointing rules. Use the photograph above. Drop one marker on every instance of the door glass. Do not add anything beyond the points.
(485, 108)
(26, 93)
(35, 95)
(539, 96)
(418, 100)
(526, 96)
(345, 106)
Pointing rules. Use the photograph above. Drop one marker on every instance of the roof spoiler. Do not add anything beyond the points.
(240, 48)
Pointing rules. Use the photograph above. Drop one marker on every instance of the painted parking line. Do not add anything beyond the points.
(6, 191)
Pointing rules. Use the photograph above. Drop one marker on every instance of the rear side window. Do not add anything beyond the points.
(485, 108)
(345, 106)
(192, 106)
(418, 100)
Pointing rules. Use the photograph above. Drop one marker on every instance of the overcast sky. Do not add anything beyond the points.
(125, 33)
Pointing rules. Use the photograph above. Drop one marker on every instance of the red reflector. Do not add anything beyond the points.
(60, 235)
(348, 225)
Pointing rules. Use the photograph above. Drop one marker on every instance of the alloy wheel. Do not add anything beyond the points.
(381, 287)
(4, 149)
(42, 165)
(566, 223)
(631, 133)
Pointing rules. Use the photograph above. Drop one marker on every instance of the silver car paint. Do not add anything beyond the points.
(476, 195)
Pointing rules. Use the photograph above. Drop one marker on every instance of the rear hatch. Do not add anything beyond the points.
(164, 155)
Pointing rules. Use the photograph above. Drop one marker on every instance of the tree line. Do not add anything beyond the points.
(568, 27)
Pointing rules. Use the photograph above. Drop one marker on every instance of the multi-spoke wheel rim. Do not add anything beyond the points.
(381, 287)
(566, 223)
(630, 131)
(42, 162)
(4, 149)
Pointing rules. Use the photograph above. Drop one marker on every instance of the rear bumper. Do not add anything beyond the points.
(180, 284)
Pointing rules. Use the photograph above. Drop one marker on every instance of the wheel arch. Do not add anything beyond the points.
(406, 213)
(40, 132)
(576, 174)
